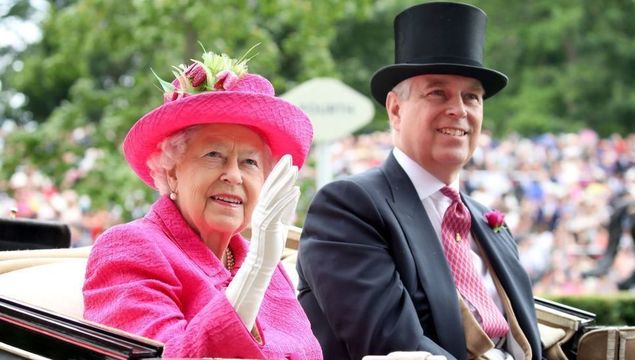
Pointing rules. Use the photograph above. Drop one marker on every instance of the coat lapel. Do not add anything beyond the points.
(434, 273)
(499, 247)
(500, 250)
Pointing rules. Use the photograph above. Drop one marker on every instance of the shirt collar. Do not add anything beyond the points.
(425, 183)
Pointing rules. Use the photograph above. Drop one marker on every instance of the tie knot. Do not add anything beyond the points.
(450, 193)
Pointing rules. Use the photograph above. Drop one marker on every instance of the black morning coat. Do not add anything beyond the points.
(374, 278)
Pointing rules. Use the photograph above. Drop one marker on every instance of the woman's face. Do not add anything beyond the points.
(219, 178)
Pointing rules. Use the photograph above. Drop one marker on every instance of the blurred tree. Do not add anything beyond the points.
(570, 63)
(19, 21)
(364, 45)
(91, 71)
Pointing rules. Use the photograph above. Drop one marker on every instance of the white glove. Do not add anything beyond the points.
(405, 355)
(273, 213)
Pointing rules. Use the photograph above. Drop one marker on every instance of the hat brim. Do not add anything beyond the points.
(284, 126)
(385, 79)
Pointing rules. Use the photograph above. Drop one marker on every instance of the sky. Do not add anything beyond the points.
(16, 32)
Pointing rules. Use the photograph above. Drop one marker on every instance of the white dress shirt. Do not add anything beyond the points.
(435, 203)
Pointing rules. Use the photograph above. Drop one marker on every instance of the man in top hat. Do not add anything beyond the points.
(397, 258)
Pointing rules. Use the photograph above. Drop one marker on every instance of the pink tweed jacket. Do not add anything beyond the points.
(155, 277)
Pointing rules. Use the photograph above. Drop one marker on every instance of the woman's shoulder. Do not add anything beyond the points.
(134, 244)
(137, 234)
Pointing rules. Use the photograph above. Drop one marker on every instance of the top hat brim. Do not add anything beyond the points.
(386, 78)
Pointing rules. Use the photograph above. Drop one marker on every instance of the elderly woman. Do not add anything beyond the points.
(183, 274)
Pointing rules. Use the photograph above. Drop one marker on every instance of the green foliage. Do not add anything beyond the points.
(570, 63)
(92, 70)
(609, 309)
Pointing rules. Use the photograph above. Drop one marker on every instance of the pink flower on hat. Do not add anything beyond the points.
(495, 220)
(216, 72)
(196, 74)
(174, 94)
(225, 80)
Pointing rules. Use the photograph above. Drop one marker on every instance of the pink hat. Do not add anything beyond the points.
(219, 90)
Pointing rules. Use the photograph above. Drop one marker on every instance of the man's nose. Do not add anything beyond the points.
(456, 108)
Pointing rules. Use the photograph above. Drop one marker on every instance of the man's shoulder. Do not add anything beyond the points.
(371, 178)
(359, 192)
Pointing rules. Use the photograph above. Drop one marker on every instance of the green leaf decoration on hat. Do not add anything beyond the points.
(216, 72)
(166, 86)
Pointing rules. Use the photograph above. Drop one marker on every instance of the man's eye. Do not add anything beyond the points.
(474, 97)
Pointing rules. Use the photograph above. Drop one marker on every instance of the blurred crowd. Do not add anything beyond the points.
(557, 192)
(33, 195)
(29, 193)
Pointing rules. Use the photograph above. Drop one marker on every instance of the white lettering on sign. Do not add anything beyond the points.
(335, 109)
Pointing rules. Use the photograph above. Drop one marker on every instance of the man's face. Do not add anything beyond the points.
(438, 124)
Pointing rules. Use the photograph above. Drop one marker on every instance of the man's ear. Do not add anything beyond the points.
(394, 110)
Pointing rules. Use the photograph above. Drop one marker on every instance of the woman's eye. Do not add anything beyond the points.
(214, 154)
(251, 162)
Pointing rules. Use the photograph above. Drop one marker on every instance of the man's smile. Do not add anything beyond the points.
(452, 131)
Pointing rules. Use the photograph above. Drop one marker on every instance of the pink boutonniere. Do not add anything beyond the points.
(495, 220)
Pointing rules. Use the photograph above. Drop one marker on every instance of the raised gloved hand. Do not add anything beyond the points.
(273, 213)
(405, 355)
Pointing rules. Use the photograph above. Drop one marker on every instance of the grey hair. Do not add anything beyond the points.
(171, 152)
(403, 89)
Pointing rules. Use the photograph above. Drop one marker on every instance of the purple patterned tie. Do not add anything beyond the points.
(454, 231)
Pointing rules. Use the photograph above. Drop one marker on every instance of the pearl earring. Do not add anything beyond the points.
(172, 195)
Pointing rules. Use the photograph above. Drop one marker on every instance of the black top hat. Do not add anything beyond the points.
(438, 38)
